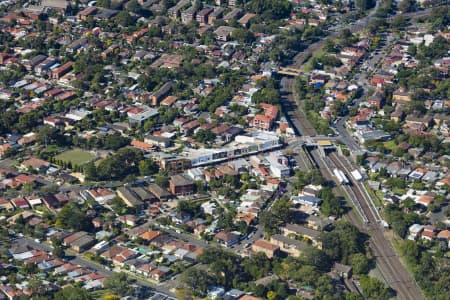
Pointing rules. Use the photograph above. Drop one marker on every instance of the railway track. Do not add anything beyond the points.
(326, 168)
(370, 213)
(388, 262)
(295, 114)
(393, 271)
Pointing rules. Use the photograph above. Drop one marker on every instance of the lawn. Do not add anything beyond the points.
(76, 156)
(390, 145)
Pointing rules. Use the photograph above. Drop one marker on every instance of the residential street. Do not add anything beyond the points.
(79, 260)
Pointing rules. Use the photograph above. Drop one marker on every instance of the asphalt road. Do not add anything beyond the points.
(363, 81)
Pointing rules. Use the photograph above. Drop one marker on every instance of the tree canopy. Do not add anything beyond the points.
(72, 293)
(119, 284)
(71, 217)
(270, 9)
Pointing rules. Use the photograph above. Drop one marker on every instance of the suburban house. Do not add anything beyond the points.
(181, 185)
(301, 231)
(161, 93)
(227, 239)
(223, 33)
(159, 141)
(139, 114)
(270, 250)
(101, 195)
(61, 71)
(35, 164)
(130, 198)
(159, 192)
(288, 245)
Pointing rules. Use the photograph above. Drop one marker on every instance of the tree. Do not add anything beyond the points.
(28, 188)
(200, 187)
(331, 204)
(329, 45)
(119, 205)
(326, 289)
(118, 166)
(281, 209)
(27, 122)
(134, 7)
(271, 9)
(71, 217)
(365, 4)
(119, 284)
(317, 258)
(353, 296)
(204, 136)
(406, 6)
(115, 142)
(110, 296)
(410, 250)
(360, 263)
(58, 251)
(197, 281)
(399, 22)
(280, 213)
(267, 95)
(271, 295)
(305, 274)
(162, 180)
(257, 266)
(243, 35)
(36, 287)
(72, 293)
(147, 167)
(90, 171)
(124, 19)
(343, 241)
(440, 17)
(360, 159)
(345, 34)
(58, 248)
(47, 134)
(269, 222)
(374, 289)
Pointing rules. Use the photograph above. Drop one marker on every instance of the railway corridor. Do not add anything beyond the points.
(387, 261)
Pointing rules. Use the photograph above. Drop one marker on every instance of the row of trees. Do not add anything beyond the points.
(125, 162)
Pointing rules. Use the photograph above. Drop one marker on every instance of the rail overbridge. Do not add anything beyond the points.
(289, 71)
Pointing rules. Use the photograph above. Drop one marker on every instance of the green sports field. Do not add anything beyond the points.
(76, 156)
